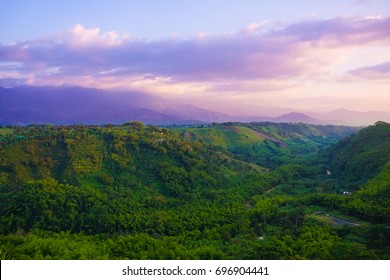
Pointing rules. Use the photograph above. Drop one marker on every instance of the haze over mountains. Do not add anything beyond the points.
(68, 105)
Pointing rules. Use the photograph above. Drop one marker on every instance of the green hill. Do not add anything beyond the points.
(114, 157)
(361, 164)
(225, 191)
(268, 144)
(361, 156)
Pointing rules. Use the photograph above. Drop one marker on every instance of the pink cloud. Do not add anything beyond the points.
(79, 35)
(380, 71)
(341, 31)
(295, 51)
(362, 2)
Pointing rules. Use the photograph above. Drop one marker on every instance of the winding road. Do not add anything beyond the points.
(340, 222)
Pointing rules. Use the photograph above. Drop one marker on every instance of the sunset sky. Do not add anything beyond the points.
(240, 57)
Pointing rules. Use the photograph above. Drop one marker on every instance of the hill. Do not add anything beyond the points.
(360, 164)
(145, 192)
(107, 156)
(268, 144)
(297, 118)
(361, 156)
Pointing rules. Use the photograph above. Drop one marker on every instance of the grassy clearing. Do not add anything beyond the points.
(227, 136)
(6, 131)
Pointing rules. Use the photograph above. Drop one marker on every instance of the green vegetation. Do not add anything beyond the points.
(6, 131)
(360, 157)
(224, 191)
(269, 144)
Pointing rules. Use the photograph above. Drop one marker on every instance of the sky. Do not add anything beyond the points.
(242, 57)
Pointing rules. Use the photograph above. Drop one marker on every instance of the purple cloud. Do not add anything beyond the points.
(380, 71)
(340, 31)
(296, 50)
(362, 2)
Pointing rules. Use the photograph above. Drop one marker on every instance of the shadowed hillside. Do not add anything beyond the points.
(361, 156)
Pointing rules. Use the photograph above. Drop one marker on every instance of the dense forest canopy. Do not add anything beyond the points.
(218, 191)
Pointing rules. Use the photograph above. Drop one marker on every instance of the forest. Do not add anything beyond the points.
(213, 191)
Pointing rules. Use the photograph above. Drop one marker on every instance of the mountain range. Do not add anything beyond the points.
(68, 105)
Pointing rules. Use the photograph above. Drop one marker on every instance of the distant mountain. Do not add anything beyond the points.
(344, 116)
(67, 105)
(336, 117)
(297, 117)
(187, 111)
(292, 117)
(25, 105)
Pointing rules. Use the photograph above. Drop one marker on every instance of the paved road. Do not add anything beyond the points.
(341, 222)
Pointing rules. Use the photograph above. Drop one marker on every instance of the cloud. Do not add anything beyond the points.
(89, 37)
(294, 52)
(342, 31)
(11, 82)
(380, 71)
(362, 2)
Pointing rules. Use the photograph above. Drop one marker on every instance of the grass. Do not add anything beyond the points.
(227, 136)
(4, 255)
(6, 131)
(325, 219)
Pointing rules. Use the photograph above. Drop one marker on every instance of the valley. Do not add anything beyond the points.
(202, 191)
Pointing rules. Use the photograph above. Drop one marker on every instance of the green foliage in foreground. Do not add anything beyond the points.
(138, 192)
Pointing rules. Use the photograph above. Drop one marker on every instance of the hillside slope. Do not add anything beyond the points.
(143, 192)
(361, 156)
(268, 144)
